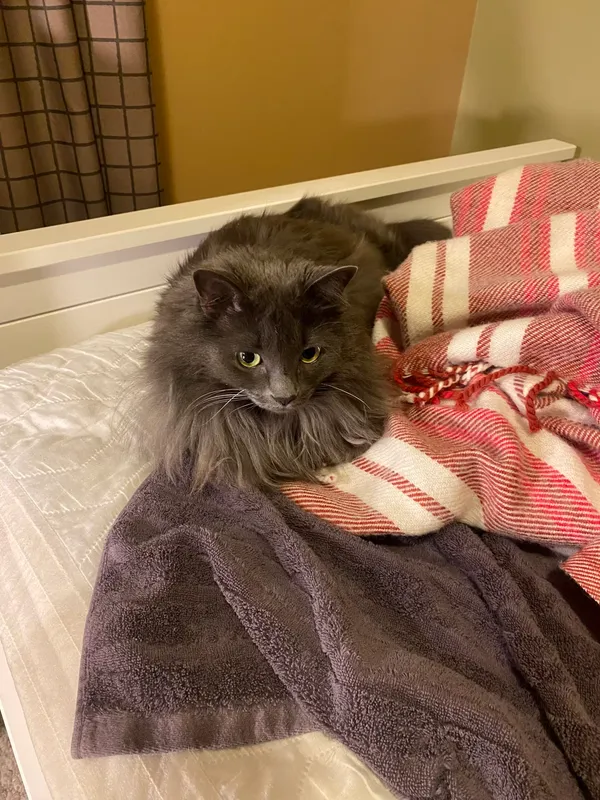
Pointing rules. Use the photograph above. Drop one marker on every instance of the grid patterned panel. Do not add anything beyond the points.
(77, 130)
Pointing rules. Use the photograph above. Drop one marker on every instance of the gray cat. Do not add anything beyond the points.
(260, 362)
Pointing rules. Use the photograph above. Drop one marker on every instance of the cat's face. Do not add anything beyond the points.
(276, 345)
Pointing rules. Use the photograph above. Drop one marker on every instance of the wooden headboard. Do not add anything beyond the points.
(61, 285)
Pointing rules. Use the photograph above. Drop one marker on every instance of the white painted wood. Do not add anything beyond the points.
(67, 285)
(63, 284)
(85, 280)
(24, 338)
(46, 246)
(431, 203)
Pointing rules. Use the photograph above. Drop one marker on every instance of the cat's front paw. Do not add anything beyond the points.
(327, 476)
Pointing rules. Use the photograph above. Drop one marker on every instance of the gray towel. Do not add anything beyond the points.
(451, 664)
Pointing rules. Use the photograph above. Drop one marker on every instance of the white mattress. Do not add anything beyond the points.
(65, 474)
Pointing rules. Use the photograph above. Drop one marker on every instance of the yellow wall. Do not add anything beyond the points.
(533, 73)
(255, 93)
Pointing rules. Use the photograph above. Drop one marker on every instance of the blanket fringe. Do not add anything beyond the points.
(430, 386)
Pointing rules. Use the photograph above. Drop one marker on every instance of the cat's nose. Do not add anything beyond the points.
(284, 401)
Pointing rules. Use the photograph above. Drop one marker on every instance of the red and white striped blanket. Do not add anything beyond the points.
(494, 342)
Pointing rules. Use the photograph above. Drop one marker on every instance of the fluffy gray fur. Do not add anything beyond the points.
(274, 285)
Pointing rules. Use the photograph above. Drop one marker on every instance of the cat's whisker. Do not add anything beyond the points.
(214, 392)
(221, 396)
(337, 389)
(193, 407)
(242, 408)
(208, 395)
(207, 399)
(214, 402)
(231, 399)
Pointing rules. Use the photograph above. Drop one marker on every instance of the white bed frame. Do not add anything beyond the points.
(61, 285)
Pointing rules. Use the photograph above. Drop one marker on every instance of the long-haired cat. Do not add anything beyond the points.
(260, 364)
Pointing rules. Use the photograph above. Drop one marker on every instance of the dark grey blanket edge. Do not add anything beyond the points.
(219, 729)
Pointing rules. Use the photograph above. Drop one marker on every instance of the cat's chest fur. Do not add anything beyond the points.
(261, 367)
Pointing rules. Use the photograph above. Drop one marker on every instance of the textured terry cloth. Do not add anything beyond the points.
(494, 346)
(450, 664)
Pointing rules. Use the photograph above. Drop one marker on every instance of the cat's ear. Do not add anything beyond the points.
(333, 281)
(217, 292)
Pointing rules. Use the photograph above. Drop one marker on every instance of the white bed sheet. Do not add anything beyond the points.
(65, 473)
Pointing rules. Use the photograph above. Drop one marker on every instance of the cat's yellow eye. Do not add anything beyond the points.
(310, 355)
(249, 359)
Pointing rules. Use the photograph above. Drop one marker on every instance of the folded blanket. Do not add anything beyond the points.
(451, 664)
(494, 342)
